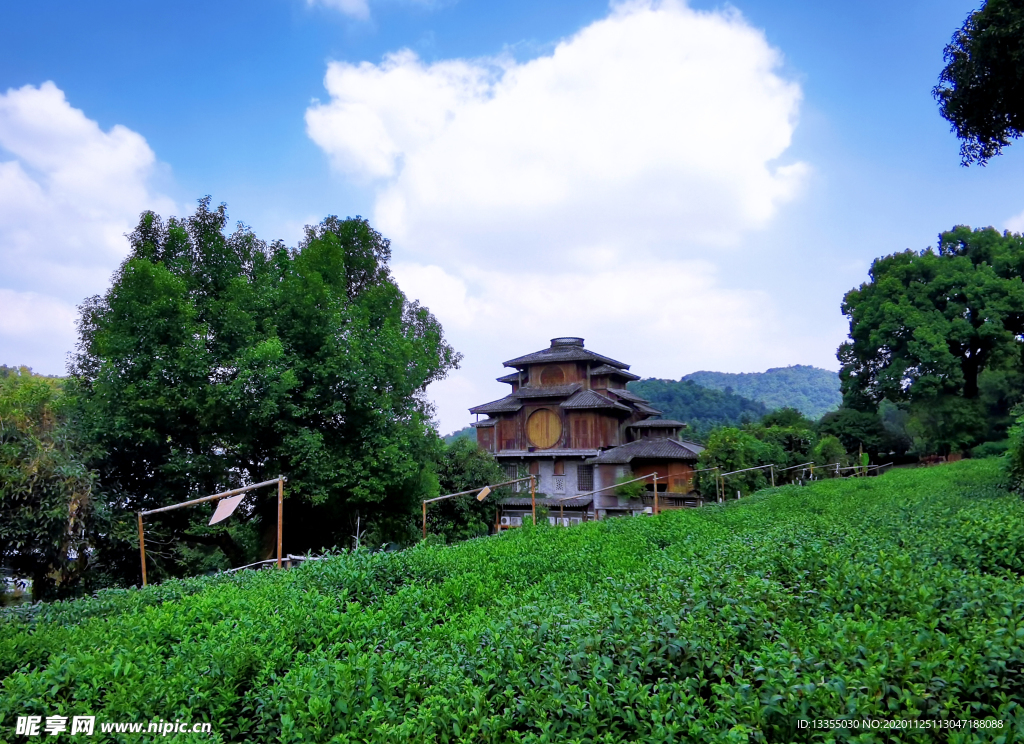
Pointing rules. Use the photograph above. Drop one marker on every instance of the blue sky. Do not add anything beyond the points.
(723, 173)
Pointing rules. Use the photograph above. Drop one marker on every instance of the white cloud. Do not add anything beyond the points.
(656, 122)
(587, 191)
(666, 322)
(36, 330)
(67, 198)
(358, 9)
(1015, 223)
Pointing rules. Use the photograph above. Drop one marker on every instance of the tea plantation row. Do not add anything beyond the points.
(899, 597)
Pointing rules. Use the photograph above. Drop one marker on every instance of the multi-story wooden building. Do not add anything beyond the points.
(570, 421)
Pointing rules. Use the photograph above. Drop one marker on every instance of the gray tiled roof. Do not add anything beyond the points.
(568, 349)
(605, 369)
(628, 395)
(644, 408)
(548, 391)
(484, 423)
(649, 449)
(508, 404)
(514, 377)
(590, 399)
(658, 424)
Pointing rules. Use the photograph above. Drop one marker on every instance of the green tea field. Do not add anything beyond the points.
(897, 599)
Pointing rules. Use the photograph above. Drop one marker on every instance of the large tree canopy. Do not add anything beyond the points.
(217, 360)
(981, 89)
(47, 500)
(930, 325)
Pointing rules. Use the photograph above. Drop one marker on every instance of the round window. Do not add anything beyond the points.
(543, 428)
(552, 376)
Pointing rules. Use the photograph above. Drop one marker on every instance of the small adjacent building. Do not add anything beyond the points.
(570, 421)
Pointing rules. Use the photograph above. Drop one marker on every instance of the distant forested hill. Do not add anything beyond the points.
(700, 407)
(467, 432)
(811, 390)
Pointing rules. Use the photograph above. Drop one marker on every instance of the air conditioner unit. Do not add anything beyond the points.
(648, 510)
(552, 521)
(506, 521)
(516, 521)
(564, 521)
(575, 520)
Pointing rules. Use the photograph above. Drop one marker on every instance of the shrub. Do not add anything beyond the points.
(1015, 452)
(897, 598)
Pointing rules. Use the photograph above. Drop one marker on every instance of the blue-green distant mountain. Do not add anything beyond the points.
(812, 391)
(700, 407)
(467, 432)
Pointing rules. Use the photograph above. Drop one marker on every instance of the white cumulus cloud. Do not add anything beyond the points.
(1016, 223)
(546, 197)
(654, 122)
(69, 191)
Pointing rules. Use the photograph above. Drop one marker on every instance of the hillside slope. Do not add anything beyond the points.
(811, 390)
(702, 408)
(466, 432)
(795, 604)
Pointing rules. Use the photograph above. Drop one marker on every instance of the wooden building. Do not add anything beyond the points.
(570, 420)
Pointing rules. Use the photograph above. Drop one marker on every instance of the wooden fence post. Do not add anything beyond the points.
(142, 549)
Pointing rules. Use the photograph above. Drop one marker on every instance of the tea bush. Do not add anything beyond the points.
(898, 597)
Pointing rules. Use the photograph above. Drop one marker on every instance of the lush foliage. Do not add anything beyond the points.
(47, 498)
(981, 89)
(861, 430)
(897, 597)
(940, 332)
(812, 391)
(217, 359)
(783, 438)
(1015, 454)
(700, 407)
(465, 466)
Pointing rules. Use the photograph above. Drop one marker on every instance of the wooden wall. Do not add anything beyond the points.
(592, 429)
(563, 373)
(680, 474)
(508, 434)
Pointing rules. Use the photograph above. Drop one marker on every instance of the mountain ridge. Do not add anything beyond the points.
(811, 390)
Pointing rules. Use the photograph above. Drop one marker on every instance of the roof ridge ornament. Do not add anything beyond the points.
(566, 341)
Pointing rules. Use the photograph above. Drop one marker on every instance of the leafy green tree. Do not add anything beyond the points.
(981, 89)
(858, 430)
(464, 466)
(787, 417)
(730, 449)
(47, 496)
(789, 446)
(946, 424)
(895, 419)
(1000, 391)
(217, 360)
(930, 323)
(829, 452)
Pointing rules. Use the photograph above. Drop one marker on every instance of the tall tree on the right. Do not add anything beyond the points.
(981, 89)
(931, 328)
